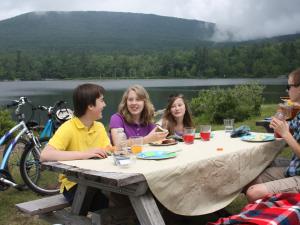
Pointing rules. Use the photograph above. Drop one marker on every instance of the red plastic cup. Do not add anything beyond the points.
(188, 138)
(205, 136)
(277, 135)
(205, 132)
(188, 135)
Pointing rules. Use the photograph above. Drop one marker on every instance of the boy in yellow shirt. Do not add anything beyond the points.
(81, 137)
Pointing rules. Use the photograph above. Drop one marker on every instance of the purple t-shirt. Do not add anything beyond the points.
(130, 129)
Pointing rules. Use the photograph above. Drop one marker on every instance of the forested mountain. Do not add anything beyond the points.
(75, 45)
(100, 31)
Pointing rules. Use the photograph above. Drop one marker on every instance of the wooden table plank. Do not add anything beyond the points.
(116, 179)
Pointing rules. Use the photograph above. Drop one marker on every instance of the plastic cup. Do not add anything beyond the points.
(188, 135)
(205, 132)
(136, 144)
(228, 125)
(281, 116)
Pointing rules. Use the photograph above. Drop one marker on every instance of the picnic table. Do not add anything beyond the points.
(204, 177)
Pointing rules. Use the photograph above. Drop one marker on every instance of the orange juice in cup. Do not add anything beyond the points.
(136, 144)
(135, 149)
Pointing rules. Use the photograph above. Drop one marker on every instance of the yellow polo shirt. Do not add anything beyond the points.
(74, 136)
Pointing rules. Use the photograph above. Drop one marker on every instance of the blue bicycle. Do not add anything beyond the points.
(30, 167)
(14, 150)
(23, 153)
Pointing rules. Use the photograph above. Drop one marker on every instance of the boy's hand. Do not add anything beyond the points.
(110, 149)
(96, 153)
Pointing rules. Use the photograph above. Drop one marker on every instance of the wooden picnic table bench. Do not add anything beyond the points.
(56, 209)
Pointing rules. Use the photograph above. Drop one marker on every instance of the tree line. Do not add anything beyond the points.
(245, 60)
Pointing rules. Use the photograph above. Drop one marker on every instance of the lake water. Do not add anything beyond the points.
(48, 92)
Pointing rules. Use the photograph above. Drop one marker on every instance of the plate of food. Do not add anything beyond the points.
(156, 155)
(166, 142)
(257, 137)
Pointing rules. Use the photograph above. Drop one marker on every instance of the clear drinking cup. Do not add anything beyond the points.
(281, 116)
(228, 125)
(136, 144)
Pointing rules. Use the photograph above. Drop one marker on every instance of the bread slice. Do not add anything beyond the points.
(160, 129)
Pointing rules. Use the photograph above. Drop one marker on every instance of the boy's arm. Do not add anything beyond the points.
(50, 153)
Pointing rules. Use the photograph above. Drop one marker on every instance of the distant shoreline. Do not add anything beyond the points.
(172, 82)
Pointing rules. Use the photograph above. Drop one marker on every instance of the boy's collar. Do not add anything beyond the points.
(80, 125)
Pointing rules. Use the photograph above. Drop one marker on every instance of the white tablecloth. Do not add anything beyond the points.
(200, 179)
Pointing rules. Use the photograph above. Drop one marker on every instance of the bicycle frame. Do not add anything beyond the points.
(12, 144)
(23, 130)
(48, 129)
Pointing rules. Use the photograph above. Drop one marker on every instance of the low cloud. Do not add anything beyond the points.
(235, 20)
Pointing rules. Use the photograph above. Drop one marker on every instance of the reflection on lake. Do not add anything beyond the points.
(48, 92)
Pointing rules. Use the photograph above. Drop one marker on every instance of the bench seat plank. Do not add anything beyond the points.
(44, 205)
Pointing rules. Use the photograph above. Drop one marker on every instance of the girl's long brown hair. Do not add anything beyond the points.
(148, 111)
(169, 121)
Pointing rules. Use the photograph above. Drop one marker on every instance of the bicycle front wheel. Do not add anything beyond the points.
(37, 178)
(13, 162)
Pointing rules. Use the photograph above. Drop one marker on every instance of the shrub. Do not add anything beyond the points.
(6, 121)
(239, 102)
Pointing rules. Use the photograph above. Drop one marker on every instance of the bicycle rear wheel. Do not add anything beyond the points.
(13, 163)
(37, 178)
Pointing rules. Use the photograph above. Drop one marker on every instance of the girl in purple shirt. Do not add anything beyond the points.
(135, 115)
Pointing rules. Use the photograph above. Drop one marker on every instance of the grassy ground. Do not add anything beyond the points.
(8, 198)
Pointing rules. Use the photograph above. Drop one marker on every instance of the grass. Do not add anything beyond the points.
(10, 215)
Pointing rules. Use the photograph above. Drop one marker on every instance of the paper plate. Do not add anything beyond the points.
(167, 144)
(258, 138)
(155, 155)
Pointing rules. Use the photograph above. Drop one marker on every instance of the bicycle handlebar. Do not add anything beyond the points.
(14, 103)
(51, 109)
(19, 102)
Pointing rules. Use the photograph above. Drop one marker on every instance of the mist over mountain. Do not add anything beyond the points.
(101, 31)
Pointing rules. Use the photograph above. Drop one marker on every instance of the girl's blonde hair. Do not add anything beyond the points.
(168, 119)
(148, 110)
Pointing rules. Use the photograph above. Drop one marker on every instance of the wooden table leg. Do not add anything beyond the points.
(146, 209)
(82, 199)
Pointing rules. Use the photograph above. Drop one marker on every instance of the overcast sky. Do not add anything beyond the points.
(246, 19)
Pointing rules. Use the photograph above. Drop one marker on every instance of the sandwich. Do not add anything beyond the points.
(160, 129)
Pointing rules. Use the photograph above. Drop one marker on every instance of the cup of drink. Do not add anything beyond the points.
(281, 116)
(122, 157)
(136, 144)
(188, 135)
(205, 132)
(228, 125)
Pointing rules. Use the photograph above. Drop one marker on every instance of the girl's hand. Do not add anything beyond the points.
(280, 126)
(155, 136)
